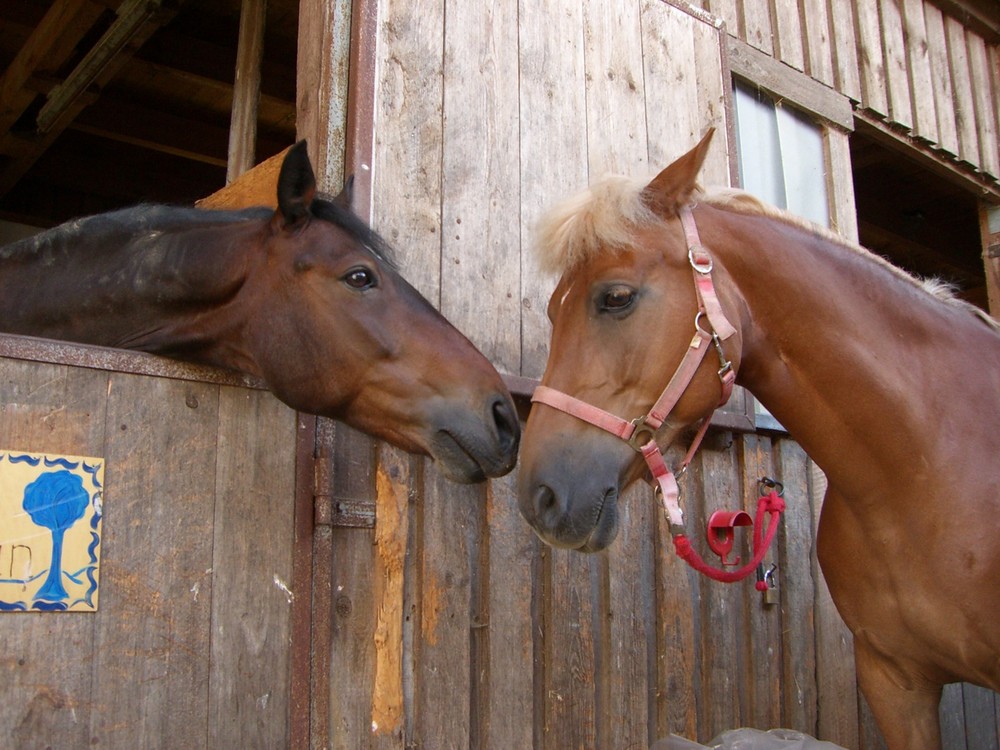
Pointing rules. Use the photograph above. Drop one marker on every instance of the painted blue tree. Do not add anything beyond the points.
(56, 500)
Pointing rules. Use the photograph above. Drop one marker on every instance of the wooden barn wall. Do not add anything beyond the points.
(190, 644)
(904, 62)
(451, 625)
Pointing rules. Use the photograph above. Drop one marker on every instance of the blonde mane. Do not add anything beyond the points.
(605, 217)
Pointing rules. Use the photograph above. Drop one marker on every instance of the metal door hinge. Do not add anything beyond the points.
(337, 511)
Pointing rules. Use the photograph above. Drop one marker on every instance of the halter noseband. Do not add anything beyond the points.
(640, 433)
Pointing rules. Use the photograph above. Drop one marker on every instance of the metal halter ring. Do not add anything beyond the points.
(771, 484)
(642, 433)
(705, 268)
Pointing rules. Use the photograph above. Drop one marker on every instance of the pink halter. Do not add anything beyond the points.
(640, 432)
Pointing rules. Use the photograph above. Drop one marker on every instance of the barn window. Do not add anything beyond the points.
(781, 161)
(780, 154)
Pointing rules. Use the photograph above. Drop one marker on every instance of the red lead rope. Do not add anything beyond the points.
(770, 503)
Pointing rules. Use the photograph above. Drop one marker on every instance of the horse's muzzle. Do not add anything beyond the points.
(571, 498)
(472, 447)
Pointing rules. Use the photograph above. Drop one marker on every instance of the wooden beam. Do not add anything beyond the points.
(784, 82)
(246, 89)
(40, 50)
(989, 225)
(322, 86)
(957, 172)
(14, 170)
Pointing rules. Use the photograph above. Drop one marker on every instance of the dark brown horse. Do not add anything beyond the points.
(893, 389)
(304, 297)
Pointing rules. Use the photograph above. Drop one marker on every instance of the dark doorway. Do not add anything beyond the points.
(914, 217)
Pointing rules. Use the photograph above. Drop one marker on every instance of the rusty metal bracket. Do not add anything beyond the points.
(338, 511)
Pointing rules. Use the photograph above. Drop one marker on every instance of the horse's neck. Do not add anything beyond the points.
(115, 287)
(856, 363)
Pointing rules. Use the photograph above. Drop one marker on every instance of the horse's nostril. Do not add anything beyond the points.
(546, 503)
(507, 426)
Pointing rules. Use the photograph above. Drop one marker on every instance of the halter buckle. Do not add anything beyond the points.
(642, 433)
(703, 264)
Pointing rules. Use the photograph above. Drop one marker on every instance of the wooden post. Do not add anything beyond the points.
(321, 85)
(989, 224)
(246, 89)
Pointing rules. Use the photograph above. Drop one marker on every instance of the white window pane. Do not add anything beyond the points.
(801, 145)
(759, 147)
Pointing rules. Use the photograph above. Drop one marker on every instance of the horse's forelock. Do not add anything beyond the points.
(602, 218)
(357, 228)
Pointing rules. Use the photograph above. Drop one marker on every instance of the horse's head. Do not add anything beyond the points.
(623, 315)
(336, 331)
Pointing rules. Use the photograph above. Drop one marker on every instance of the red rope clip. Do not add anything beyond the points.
(771, 504)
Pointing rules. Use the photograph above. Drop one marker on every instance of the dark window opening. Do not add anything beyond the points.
(915, 218)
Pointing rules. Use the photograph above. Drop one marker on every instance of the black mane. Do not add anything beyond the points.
(161, 217)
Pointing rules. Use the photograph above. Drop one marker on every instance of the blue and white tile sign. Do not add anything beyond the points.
(50, 532)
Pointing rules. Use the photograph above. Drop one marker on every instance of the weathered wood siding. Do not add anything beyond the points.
(905, 62)
(190, 645)
(452, 626)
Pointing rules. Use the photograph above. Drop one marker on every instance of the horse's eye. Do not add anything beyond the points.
(360, 278)
(617, 299)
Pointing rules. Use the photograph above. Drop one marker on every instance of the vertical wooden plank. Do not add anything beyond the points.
(952, 715)
(153, 647)
(631, 623)
(569, 692)
(837, 694)
(723, 626)
(251, 601)
(246, 89)
(391, 541)
(46, 698)
(408, 139)
(551, 90)
(507, 703)
(480, 250)
(352, 564)
(896, 74)
(868, 29)
(668, 41)
(757, 26)
(678, 657)
(961, 80)
(797, 590)
(847, 67)
(987, 101)
(616, 123)
(450, 533)
(728, 11)
(715, 103)
(819, 44)
(321, 85)
(989, 233)
(980, 717)
(919, 65)
(941, 90)
(840, 183)
(788, 33)
(765, 659)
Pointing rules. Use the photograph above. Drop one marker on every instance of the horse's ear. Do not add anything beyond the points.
(672, 188)
(346, 196)
(296, 185)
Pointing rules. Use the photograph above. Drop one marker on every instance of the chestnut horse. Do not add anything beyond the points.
(892, 388)
(304, 297)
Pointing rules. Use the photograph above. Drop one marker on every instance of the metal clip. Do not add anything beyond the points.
(641, 433)
(704, 267)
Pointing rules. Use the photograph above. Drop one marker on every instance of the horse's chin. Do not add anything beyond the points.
(598, 535)
(462, 458)
(605, 530)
